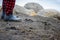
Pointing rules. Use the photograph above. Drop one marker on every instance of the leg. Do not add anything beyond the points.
(3, 7)
(8, 6)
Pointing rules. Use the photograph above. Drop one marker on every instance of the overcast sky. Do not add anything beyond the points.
(47, 4)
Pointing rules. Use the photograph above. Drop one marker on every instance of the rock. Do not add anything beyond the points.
(0, 8)
(35, 6)
(12, 28)
(28, 20)
(31, 28)
(49, 13)
(17, 37)
(22, 10)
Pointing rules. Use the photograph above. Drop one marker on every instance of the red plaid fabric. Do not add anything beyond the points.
(8, 6)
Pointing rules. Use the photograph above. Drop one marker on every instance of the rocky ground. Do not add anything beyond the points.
(30, 28)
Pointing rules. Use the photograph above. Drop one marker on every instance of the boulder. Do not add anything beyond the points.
(23, 10)
(35, 6)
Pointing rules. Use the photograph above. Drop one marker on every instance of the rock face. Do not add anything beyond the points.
(30, 28)
(49, 13)
(35, 6)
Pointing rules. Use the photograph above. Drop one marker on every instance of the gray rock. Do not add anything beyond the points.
(35, 6)
(22, 10)
(31, 28)
(49, 13)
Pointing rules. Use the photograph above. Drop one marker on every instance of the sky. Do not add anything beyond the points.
(47, 4)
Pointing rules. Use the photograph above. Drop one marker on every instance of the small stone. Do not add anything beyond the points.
(12, 28)
(28, 20)
(23, 32)
(30, 28)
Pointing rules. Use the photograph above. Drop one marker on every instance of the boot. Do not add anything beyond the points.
(12, 18)
(7, 11)
(3, 14)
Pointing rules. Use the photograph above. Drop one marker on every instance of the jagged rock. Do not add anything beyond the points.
(35, 6)
(49, 13)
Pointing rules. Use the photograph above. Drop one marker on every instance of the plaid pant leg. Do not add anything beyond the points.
(4, 5)
(9, 5)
